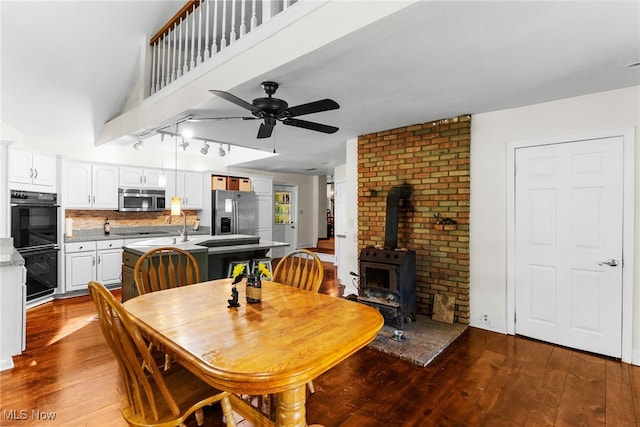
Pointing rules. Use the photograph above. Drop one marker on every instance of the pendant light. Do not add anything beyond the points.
(176, 202)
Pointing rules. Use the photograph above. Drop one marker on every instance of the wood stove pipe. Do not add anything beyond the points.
(402, 192)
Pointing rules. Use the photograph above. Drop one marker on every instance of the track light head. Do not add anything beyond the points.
(221, 151)
(205, 149)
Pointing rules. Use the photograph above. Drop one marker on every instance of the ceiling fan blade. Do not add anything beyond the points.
(234, 99)
(312, 107)
(310, 125)
(265, 130)
(206, 119)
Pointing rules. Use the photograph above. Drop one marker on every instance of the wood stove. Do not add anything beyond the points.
(388, 275)
(388, 282)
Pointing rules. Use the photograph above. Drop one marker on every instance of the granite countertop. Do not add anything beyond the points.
(9, 256)
(97, 234)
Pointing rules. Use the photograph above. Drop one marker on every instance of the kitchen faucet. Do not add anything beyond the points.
(183, 232)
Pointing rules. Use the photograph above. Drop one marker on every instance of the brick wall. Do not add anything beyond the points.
(433, 158)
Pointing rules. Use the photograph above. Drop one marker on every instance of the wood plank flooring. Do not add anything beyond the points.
(483, 379)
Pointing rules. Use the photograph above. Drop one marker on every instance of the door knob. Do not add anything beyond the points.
(610, 262)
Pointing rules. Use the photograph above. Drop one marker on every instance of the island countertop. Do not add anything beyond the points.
(226, 244)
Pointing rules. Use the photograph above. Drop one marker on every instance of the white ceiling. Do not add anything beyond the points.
(65, 71)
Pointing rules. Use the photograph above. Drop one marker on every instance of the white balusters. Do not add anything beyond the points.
(185, 65)
(243, 27)
(154, 88)
(199, 57)
(192, 64)
(174, 71)
(232, 34)
(164, 60)
(214, 46)
(223, 38)
(180, 71)
(254, 18)
(188, 41)
(207, 53)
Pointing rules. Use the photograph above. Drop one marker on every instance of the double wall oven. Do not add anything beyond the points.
(34, 228)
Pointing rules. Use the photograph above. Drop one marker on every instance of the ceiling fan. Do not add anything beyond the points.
(270, 110)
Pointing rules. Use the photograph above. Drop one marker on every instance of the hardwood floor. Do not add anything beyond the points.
(482, 379)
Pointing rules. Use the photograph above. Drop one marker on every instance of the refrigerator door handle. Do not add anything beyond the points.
(235, 217)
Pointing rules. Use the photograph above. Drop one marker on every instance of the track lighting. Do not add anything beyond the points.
(221, 151)
(184, 145)
(138, 145)
(205, 149)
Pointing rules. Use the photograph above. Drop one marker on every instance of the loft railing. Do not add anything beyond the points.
(201, 29)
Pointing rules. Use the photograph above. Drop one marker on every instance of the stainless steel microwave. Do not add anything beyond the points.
(140, 200)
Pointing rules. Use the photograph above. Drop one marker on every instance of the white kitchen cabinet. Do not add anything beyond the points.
(138, 178)
(32, 169)
(92, 186)
(189, 187)
(109, 259)
(12, 314)
(86, 261)
(80, 263)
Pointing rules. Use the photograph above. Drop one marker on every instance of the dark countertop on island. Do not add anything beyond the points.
(211, 244)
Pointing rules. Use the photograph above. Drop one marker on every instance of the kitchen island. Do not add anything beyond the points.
(213, 254)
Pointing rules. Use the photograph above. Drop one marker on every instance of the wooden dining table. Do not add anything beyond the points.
(272, 347)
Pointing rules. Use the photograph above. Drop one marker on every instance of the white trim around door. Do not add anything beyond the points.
(628, 136)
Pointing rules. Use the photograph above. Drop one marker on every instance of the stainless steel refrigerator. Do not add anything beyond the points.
(233, 212)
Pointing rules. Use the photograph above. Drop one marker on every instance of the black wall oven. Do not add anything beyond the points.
(34, 228)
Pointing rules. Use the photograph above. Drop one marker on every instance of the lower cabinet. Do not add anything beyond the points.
(86, 261)
(129, 289)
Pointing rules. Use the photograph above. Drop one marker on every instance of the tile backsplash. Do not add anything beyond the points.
(90, 219)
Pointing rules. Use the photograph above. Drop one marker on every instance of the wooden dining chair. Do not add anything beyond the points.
(153, 397)
(301, 269)
(165, 268)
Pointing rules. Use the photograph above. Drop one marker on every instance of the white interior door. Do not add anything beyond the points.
(568, 249)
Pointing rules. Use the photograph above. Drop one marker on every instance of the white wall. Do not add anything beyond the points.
(347, 247)
(490, 134)
(307, 201)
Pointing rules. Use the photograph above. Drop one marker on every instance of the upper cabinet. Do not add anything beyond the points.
(32, 171)
(88, 185)
(137, 178)
(189, 187)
